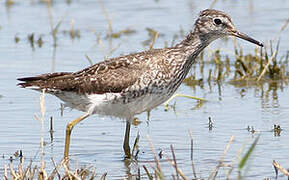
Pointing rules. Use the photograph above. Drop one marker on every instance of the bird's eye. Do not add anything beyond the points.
(217, 21)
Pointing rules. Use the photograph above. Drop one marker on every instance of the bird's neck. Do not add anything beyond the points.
(191, 47)
(193, 44)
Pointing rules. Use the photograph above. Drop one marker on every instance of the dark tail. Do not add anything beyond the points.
(37, 80)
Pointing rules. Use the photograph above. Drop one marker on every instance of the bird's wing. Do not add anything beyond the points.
(108, 76)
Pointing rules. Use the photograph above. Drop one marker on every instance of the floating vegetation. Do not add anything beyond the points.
(30, 38)
(127, 31)
(153, 36)
(277, 130)
(40, 41)
(247, 70)
(16, 38)
(32, 41)
(9, 3)
(260, 68)
(210, 124)
(18, 154)
(73, 33)
(192, 81)
(251, 129)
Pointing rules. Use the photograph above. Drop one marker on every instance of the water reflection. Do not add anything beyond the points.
(266, 91)
(132, 169)
(270, 94)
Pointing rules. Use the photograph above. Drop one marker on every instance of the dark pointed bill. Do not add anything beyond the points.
(247, 38)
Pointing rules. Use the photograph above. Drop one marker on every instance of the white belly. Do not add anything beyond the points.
(111, 104)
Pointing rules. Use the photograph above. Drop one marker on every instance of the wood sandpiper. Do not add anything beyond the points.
(128, 85)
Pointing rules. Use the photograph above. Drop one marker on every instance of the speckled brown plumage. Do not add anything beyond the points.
(128, 85)
(118, 74)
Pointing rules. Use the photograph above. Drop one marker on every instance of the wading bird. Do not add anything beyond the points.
(128, 85)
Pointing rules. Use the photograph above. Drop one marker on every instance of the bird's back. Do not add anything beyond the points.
(139, 80)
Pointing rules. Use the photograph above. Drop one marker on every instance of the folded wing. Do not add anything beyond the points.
(108, 76)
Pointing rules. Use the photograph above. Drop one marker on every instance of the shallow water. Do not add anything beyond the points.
(98, 140)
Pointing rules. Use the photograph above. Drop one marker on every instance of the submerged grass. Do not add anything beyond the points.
(60, 171)
(151, 170)
(63, 169)
(246, 157)
(247, 70)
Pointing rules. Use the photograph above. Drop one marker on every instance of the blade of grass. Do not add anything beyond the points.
(175, 161)
(158, 170)
(180, 172)
(183, 95)
(192, 155)
(148, 173)
(266, 67)
(248, 153)
(214, 173)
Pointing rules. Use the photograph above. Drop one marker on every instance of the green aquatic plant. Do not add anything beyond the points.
(248, 154)
(127, 31)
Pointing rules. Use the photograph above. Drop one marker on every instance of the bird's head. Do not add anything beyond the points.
(213, 24)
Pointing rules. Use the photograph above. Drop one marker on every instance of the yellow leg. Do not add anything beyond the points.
(182, 95)
(126, 147)
(69, 128)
